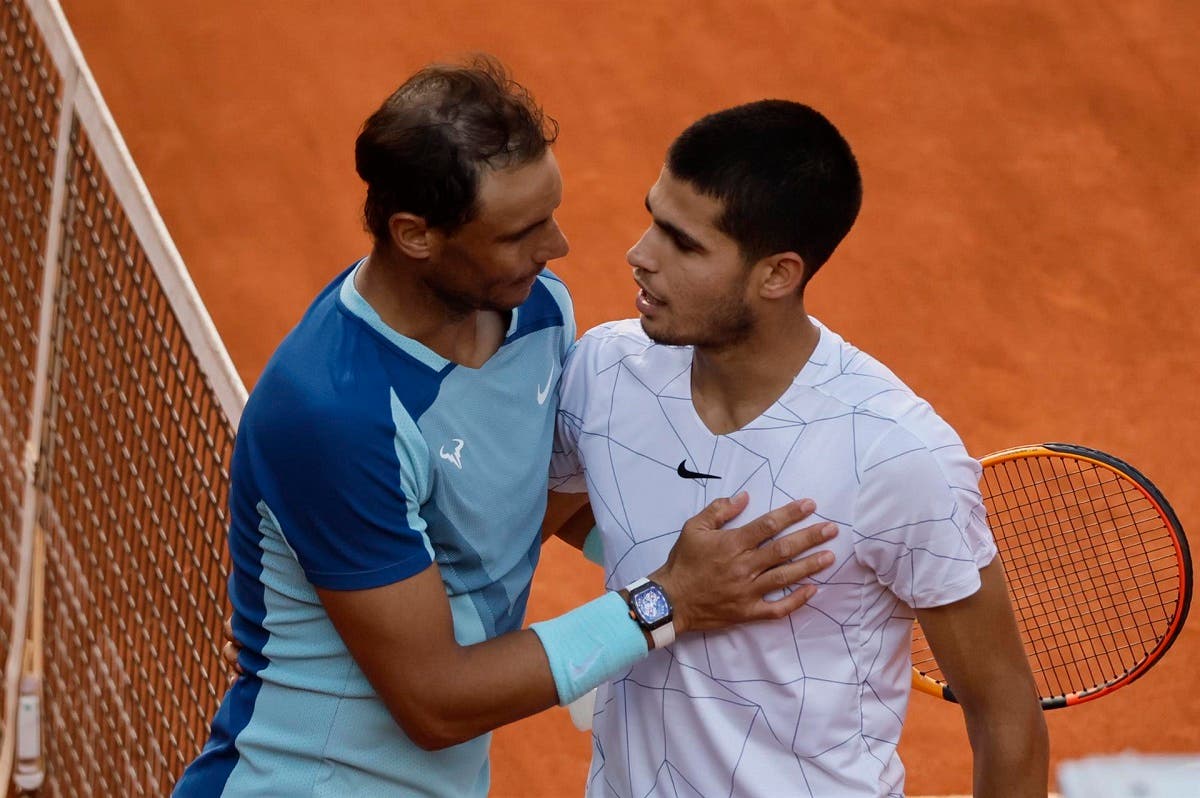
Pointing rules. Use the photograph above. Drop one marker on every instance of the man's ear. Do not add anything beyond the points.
(783, 274)
(411, 236)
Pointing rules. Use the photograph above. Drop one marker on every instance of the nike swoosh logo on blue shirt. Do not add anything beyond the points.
(542, 393)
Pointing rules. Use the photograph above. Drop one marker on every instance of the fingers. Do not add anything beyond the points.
(229, 653)
(720, 512)
(785, 606)
(716, 580)
(788, 574)
(788, 547)
(782, 572)
(770, 524)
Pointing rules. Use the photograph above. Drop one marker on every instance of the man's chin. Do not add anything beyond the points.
(658, 335)
(510, 301)
(717, 338)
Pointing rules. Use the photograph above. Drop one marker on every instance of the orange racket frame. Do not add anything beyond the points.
(1055, 515)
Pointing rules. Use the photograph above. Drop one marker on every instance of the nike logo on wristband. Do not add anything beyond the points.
(682, 471)
(580, 669)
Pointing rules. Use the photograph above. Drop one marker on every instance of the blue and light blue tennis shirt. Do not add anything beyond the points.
(362, 457)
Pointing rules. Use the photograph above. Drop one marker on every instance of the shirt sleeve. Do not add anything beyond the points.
(920, 522)
(346, 489)
(567, 472)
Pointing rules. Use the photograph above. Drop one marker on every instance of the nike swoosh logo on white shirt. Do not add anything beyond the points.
(542, 393)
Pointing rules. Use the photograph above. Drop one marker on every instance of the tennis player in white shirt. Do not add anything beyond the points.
(726, 384)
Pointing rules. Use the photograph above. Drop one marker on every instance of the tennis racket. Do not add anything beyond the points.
(1097, 565)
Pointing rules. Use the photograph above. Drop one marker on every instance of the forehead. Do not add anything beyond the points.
(524, 193)
(675, 201)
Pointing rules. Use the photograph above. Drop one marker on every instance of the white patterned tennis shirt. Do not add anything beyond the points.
(811, 705)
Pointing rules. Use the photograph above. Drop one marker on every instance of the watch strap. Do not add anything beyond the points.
(663, 635)
(635, 584)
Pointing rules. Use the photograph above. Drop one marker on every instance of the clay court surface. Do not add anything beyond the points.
(1025, 259)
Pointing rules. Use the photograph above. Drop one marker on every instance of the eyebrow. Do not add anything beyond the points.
(681, 238)
(524, 231)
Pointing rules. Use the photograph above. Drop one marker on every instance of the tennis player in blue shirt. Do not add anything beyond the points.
(389, 484)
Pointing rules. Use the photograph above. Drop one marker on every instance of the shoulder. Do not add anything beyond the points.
(553, 284)
(624, 341)
(866, 387)
(883, 416)
(320, 388)
(548, 305)
(616, 358)
(550, 291)
(320, 438)
(547, 309)
(609, 350)
(848, 375)
(334, 387)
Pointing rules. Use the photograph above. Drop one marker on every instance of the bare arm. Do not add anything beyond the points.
(979, 649)
(402, 634)
(568, 516)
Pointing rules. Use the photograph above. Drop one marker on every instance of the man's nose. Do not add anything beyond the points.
(637, 256)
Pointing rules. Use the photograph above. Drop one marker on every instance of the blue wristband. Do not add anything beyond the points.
(593, 546)
(590, 645)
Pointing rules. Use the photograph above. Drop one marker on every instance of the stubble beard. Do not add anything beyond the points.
(460, 304)
(725, 326)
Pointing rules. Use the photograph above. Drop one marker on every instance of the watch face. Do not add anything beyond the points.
(651, 605)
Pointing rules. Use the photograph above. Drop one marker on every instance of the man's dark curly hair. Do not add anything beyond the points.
(425, 148)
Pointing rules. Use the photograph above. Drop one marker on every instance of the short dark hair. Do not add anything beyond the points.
(787, 178)
(423, 150)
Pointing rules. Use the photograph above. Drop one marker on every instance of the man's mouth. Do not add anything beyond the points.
(649, 298)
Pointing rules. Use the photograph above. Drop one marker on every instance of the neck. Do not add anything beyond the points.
(393, 287)
(734, 385)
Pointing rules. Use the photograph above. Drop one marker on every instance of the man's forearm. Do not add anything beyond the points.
(441, 692)
(1012, 756)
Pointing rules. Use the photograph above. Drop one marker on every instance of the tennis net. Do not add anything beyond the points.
(118, 405)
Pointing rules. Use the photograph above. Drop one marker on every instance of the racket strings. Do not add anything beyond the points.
(1062, 509)
(1091, 566)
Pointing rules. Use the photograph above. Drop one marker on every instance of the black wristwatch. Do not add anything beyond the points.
(650, 607)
